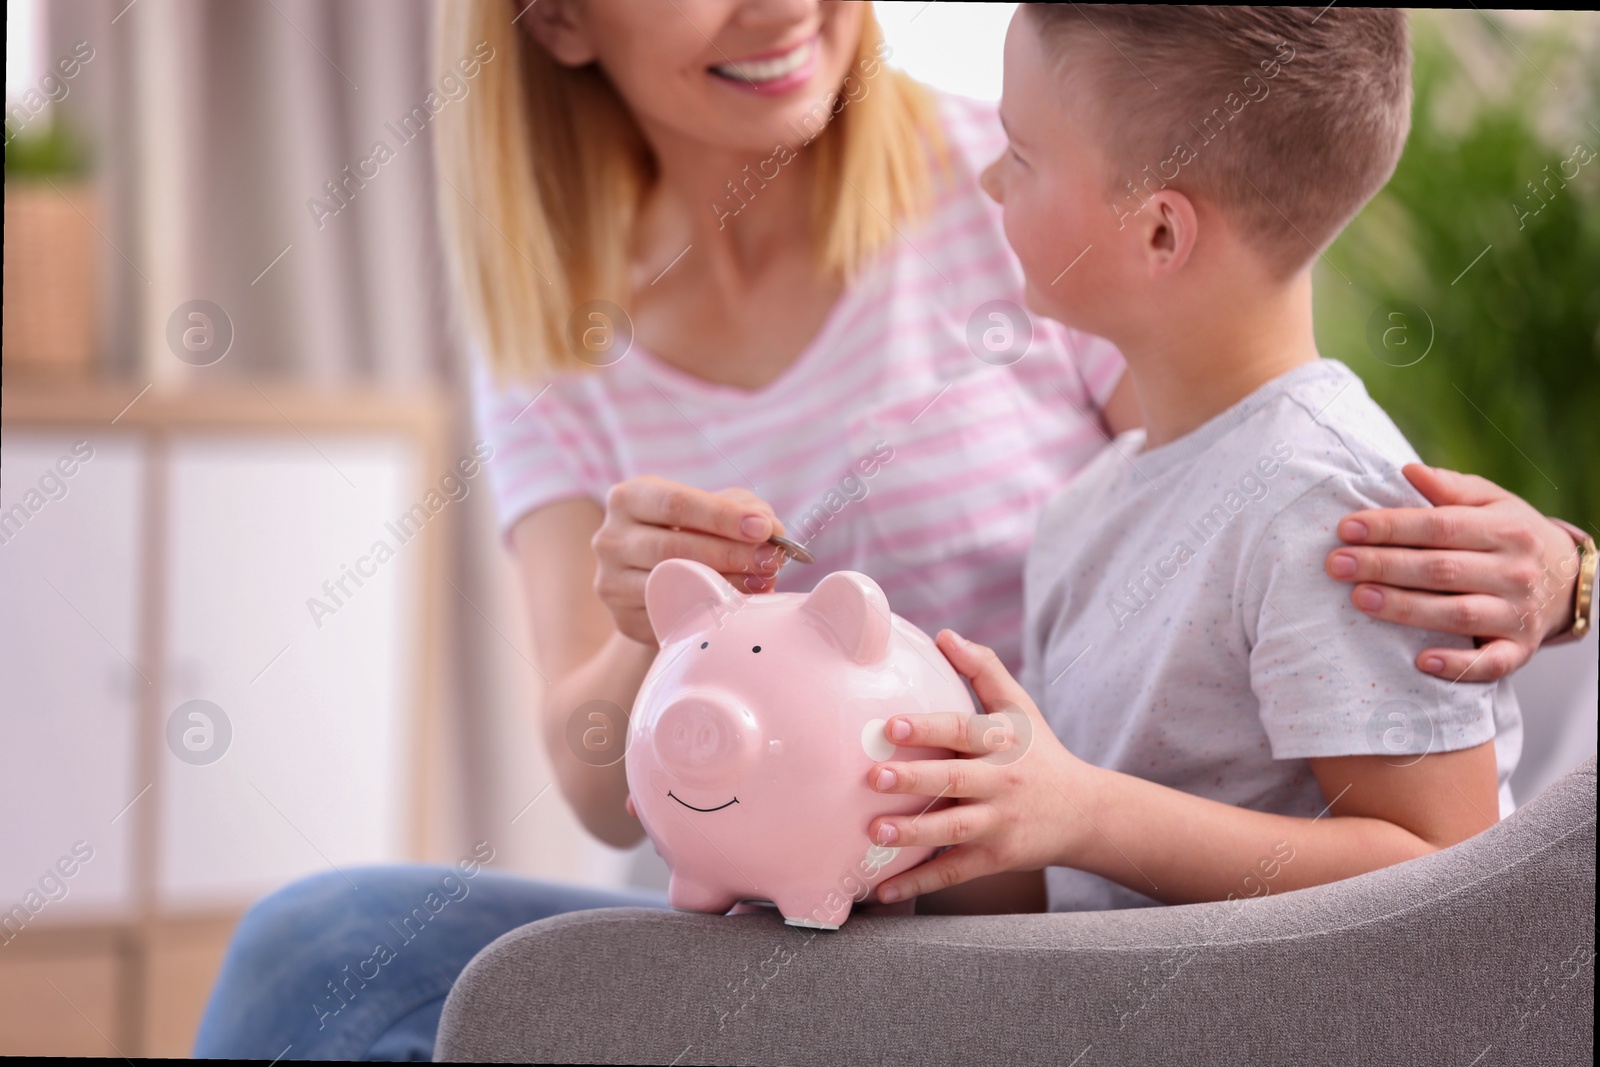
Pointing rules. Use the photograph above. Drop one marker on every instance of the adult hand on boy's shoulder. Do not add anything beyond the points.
(1482, 563)
(1013, 785)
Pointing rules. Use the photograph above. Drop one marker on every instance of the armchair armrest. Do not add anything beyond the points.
(1484, 947)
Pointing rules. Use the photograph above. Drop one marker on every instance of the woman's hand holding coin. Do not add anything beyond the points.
(649, 519)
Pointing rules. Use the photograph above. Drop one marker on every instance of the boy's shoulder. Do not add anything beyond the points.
(1314, 426)
(1324, 408)
(1337, 450)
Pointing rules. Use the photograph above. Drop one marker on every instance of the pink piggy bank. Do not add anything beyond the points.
(752, 736)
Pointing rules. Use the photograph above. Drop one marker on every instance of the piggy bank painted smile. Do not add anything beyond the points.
(752, 736)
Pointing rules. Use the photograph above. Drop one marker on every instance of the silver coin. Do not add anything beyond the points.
(793, 549)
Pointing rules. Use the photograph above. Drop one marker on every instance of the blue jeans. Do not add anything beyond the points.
(324, 970)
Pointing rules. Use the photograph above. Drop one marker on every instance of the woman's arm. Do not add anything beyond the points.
(583, 570)
(581, 655)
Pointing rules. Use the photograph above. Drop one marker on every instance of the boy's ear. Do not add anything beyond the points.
(1168, 232)
(556, 25)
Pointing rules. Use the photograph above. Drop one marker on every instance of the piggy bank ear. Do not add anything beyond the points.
(683, 597)
(854, 612)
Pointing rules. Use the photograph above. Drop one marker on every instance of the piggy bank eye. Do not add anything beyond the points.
(756, 648)
(703, 644)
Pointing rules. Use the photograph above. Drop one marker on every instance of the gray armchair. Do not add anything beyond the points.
(1481, 954)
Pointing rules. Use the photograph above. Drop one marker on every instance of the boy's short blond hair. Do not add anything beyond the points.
(1288, 119)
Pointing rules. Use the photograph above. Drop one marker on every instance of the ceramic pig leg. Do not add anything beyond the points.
(686, 895)
(817, 910)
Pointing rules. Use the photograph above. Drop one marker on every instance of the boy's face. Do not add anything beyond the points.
(1052, 182)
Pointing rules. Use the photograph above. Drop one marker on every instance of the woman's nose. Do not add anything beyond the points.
(766, 12)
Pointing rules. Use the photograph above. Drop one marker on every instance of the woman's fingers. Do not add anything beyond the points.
(1443, 486)
(619, 583)
(1429, 569)
(663, 503)
(954, 825)
(1439, 527)
(934, 778)
(1469, 615)
(649, 519)
(750, 583)
(1477, 540)
(745, 496)
(650, 545)
(1490, 663)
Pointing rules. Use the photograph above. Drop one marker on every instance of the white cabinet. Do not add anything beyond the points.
(69, 684)
(182, 562)
(318, 763)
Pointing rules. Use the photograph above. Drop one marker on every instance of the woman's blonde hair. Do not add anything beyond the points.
(542, 169)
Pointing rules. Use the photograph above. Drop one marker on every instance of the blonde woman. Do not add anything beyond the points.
(729, 275)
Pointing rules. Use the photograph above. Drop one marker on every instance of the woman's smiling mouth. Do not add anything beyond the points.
(772, 73)
(691, 807)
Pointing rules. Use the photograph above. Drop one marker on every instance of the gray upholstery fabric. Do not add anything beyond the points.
(1481, 954)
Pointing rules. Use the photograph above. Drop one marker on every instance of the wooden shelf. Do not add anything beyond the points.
(131, 405)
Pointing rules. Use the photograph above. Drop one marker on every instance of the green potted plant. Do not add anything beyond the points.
(1467, 294)
(52, 255)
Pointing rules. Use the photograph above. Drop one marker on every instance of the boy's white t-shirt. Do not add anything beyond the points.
(1180, 626)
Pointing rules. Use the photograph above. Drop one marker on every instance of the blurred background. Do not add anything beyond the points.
(224, 388)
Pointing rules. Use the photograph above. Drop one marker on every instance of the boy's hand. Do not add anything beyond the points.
(1014, 808)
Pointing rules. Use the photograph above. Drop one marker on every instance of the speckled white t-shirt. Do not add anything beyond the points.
(1180, 626)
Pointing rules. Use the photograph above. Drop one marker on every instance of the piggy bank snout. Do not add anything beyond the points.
(706, 738)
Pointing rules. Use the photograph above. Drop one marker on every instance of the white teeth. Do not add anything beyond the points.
(766, 70)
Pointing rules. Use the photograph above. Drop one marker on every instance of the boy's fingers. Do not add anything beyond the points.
(952, 868)
(954, 825)
(990, 679)
(933, 778)
(976, 735)
(1490, 663)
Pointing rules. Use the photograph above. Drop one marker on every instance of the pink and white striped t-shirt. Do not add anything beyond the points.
(887, 447)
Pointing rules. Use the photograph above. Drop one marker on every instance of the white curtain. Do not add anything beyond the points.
(215, 124)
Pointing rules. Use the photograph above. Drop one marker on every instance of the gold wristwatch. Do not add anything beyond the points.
(1583, 606)
(1583, 591)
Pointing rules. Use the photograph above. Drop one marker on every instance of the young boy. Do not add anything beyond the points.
(1214, 719)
